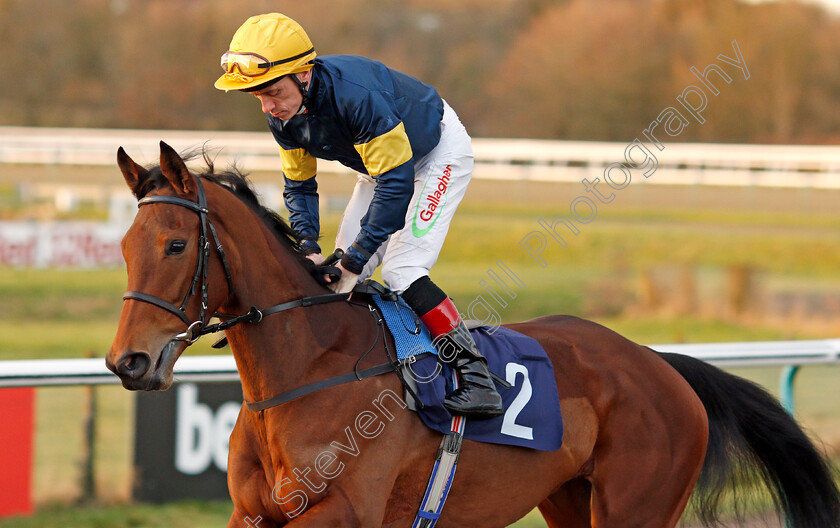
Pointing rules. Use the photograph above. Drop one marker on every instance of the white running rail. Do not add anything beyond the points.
(789, 354)
(504, 159)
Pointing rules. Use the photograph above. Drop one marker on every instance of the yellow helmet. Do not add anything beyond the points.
(265, 47)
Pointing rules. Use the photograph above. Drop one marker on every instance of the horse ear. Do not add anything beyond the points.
(133, 173)
(175, 170)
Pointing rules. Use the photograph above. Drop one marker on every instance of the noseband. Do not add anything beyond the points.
(198, 328)
(202, 265)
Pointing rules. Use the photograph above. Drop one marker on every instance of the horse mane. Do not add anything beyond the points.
(239, 185)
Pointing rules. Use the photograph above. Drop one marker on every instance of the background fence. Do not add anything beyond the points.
(507, 159)
(197, 369)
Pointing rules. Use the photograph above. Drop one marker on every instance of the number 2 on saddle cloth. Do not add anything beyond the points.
(532, 406)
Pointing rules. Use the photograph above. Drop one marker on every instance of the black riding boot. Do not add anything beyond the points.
(476, 395)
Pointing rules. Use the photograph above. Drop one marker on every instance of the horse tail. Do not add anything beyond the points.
(750, 433)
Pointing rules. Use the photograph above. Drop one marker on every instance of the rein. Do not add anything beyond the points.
(199, 327)
(392, 365)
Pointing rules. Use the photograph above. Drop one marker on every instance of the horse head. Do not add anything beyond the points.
(171, 261)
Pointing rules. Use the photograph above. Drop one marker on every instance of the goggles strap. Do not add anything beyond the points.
(302, 86)
(290, 59)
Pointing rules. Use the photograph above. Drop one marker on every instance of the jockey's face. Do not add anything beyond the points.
(283, 98)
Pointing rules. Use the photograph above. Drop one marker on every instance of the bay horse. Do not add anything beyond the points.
(642, 429)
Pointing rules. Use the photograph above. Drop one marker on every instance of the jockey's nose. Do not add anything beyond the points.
(266, 104)
(133, 365)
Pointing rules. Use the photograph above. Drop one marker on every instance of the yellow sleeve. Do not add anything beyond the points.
(385, 152)
(298, 164)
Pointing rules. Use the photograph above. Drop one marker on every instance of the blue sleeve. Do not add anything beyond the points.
(380, 138)
(301, 190)
(385, 216)
(301, 199)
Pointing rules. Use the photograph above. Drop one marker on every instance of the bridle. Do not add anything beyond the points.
(195, 329)
(199, 327)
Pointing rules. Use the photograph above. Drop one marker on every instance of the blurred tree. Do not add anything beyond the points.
(598, 69)
(586, 70)
(573, 69)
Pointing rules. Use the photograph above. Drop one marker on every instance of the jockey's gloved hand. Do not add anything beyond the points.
(347, 281)
(325, 274)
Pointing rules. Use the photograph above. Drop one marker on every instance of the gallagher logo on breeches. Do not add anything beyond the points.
(429, 205)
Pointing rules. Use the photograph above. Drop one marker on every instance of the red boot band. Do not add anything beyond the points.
(442, 318)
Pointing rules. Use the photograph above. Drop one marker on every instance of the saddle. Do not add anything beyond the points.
(532, 406)
(531, 419)
(519, 365)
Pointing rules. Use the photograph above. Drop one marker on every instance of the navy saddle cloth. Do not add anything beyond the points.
(532, 405)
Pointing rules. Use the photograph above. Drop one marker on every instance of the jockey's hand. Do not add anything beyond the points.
(346, 283)
(317, 258)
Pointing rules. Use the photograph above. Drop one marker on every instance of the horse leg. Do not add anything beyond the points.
(240, 519)
(568, 507)
(645, 468)
(338, 511)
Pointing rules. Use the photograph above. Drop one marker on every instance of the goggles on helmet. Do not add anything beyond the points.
(254, 65)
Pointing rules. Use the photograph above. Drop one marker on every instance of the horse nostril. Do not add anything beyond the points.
(134, 365)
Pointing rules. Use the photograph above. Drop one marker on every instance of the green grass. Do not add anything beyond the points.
(614, 241)
(59, 339)
(195, 514)
(185, 514)
(663, 330)
(59, 442)
(60, 295)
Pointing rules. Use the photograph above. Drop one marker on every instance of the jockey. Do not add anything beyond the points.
(413, 158)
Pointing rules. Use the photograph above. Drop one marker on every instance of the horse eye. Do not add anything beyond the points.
(176, 247)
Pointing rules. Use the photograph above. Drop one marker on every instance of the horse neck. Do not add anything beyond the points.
(275, 355)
